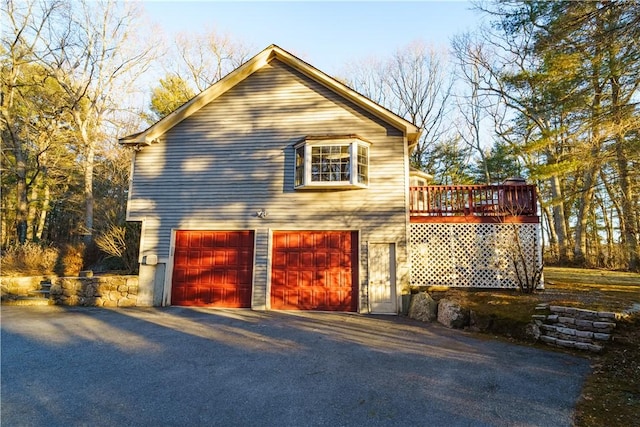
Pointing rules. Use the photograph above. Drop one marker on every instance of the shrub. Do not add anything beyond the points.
(122, 242)
(28, 259)
(71, 260)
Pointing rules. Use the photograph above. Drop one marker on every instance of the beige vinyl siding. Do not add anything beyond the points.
(217, 168)
(260, 269)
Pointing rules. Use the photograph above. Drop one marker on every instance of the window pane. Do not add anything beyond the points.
(330, 163)
(299, 177)
(363, 164)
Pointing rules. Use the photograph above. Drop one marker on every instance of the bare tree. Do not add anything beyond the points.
(419, 78)
(92, 51)
(367, 76)
(204, 58)
(473, 104)
(415, 83)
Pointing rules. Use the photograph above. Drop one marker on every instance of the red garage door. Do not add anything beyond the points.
(314, 270)
(213, 268)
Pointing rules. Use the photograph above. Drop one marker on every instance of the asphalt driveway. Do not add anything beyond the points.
(200, 367)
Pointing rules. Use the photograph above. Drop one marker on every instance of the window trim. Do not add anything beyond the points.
(352, 141)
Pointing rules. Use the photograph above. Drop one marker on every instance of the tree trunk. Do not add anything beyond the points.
(46, 199)
(88, 194)
(87, 163)
(21, 196)
(628, 211)
(33, 211)
(559, 220)
(608, 227)
(582, 219)
(551, 232)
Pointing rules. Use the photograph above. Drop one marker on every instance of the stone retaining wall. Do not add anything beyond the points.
(575, 328)
(103, 291)
(98, 291)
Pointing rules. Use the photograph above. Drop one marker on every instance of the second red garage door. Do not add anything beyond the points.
(213, 268)
(314, 270)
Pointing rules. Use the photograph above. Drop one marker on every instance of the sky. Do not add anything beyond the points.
(329, 34)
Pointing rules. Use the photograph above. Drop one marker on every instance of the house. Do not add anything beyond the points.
(281, 188)
(277, 188)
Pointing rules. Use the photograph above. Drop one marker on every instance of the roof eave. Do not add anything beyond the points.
(152, 134)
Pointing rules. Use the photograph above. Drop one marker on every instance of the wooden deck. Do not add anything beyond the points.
(474, 204)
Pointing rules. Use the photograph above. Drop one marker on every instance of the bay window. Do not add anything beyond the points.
(332, 162)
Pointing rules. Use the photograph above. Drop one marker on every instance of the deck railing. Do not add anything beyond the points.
(473, 200)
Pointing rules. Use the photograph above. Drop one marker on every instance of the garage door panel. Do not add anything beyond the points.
(232, 277)
(205, 277)
(213, 268)
(333, 279)
(292, 299)
(335, 260)
(219, 258)
(314, 270)
(244, 276)
(244, 254)
(278, 279)
(322, 260)
(293, 260)
(306, 298)
(305, 279)
(307, 260)
(200, 295)
(285, 299)
(232, 257)
(195, 240)
(206, 258)
(179, 274)
(337, 297)
(279, 260)
(197, 276)
(306, 241)
(208, 241)
(218, 294)
(181, 257)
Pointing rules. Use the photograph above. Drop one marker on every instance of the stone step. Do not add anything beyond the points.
(27, 301)
(570, 322)
(581, 313)
(575, 327)
(566, 332)
(571, 344)
(43, 293)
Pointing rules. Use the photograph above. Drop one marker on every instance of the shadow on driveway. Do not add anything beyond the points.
(200, 367)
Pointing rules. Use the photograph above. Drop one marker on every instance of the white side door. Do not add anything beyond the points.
(382, 278)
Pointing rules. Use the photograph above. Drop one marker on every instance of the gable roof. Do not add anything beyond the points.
(150, 135)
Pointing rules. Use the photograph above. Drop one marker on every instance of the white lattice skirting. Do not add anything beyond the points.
(471, 255)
